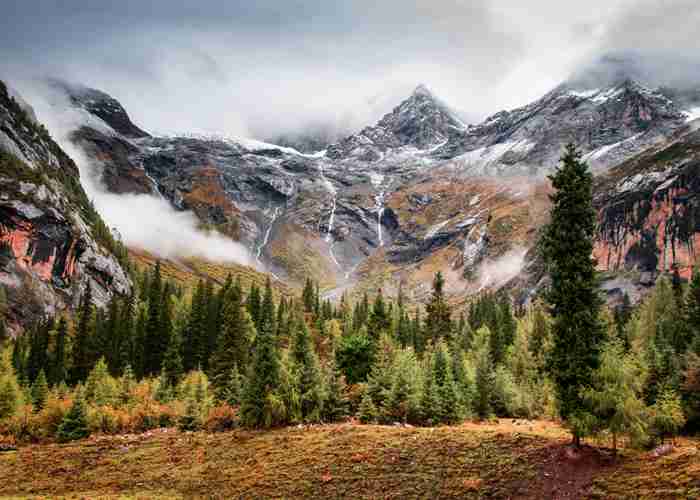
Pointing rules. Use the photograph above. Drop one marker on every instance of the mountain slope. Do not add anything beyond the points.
(609, 124)
(417, 192)
(52, 242)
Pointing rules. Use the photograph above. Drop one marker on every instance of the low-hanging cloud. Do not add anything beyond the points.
(143, 221)
(267, 68)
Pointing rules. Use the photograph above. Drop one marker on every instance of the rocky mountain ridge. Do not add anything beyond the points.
(52, 242)
(372, 209)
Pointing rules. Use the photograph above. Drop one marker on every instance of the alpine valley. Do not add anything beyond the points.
(384, 208)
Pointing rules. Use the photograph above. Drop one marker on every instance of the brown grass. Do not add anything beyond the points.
(498, 460)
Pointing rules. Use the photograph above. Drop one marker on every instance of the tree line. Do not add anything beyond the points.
(226, 355)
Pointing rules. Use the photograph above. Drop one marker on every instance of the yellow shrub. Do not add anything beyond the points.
(221, 418)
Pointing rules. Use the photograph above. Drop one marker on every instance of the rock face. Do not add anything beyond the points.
(649, 210)
(49, 248)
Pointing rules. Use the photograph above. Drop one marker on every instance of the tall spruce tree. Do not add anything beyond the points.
(237, 332)
(58, 364)
(83, 356)
(155, 344)
(573, 295)
(438, 322)
(194, 333)
(261, 405)
(309, 377)
(379, 318)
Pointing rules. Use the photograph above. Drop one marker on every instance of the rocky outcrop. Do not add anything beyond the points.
(649, 211)
(50, 248)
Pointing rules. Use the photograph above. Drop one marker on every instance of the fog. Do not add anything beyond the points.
(142, 221)
(267, 68)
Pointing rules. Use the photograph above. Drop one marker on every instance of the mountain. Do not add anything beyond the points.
(416, 192)
(422, 121)
(53, 244)
(609, 124)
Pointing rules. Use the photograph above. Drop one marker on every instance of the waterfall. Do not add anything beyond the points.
(266, 238)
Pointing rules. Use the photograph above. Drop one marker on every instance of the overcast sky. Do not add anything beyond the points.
(262, 67)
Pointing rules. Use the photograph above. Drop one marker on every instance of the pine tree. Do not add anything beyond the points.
(355, 355)
(40, 391)
(379, 318)
(254, 305)
(234, 388)
(156, 340)
(74, 424)
(438, 322)
(573, 294)
(194, 333)
(381, 377)
(191, 420)
(615, 393)
(261, 404)
(9, 395)
(403, 401)
(430, 397)
(83, 345)
(58, 365)
(368, 410)
(237, 333)
(267, 309)
(309, 379)
(171, 369)
(483, 401)
(38, 348)
(128, 382)
(307, 296)
(336, 404)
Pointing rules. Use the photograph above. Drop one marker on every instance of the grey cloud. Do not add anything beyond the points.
(265, 67)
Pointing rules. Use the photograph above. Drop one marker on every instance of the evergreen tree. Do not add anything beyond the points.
(307, 296)
(195, 331)
(615, 393)
(267, 309)
(128, 382)
(191, 420)
(335, 405)
(40, 391)
(237, 332)
(38, 349)
(261, 405)
(58, 365)
(9, 395)
(82, 345)
(309, 378)
(438, 322)
(234, 388)
(403, 400)
(379, 318)
(156, 340)
(74, 424)
(172, 369)
(481, 355)
(367, 411)
(573, 294)
(354, 356)
(254, 305)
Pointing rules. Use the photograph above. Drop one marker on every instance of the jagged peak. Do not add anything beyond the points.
(422, 90)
